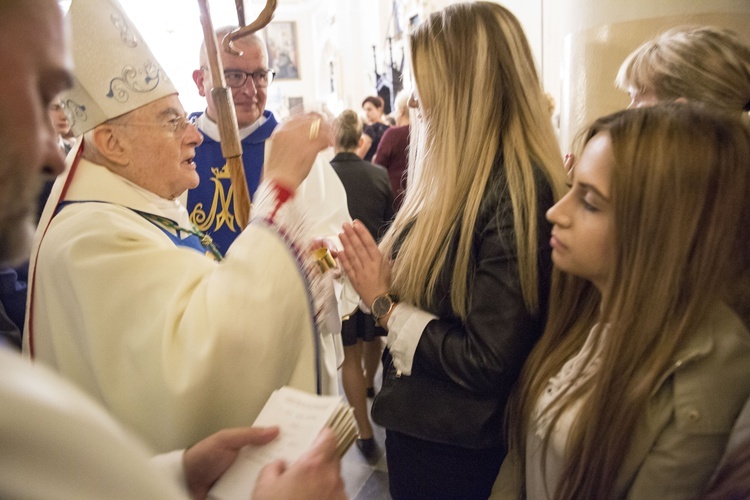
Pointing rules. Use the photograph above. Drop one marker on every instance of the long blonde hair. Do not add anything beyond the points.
(480, 98)
(699, 63)
(680, 196)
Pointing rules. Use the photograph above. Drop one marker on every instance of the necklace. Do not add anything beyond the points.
(205, 239)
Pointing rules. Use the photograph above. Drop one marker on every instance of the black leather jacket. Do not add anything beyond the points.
(463, 372)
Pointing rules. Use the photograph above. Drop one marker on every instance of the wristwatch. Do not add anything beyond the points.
(382, 306)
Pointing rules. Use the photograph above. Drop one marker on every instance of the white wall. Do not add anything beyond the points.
(338, 31)
(344, 31)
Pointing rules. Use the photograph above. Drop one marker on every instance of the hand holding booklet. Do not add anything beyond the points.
(300, 417)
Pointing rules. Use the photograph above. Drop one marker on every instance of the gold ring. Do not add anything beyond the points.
(314, 129)
(324, 259)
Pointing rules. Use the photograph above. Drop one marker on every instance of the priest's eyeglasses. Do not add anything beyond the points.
(177, 125)
(236, 78)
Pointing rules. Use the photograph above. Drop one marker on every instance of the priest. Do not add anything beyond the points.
(127, 298)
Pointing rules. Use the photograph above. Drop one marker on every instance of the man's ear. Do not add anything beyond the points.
(109, 144)
(198, 77)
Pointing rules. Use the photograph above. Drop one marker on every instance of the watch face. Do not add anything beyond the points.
(382, 306)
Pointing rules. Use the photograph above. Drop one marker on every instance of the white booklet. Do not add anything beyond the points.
(300, 416)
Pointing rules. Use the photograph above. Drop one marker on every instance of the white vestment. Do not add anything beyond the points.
(57, 443)
(322, 198)
(174, 344)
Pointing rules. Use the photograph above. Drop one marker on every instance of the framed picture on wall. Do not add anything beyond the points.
(296, 105)
(283, 57)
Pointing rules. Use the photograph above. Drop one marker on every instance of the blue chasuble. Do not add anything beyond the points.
(210, 205)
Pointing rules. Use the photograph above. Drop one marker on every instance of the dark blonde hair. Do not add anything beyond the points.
(679, 171)
(480, 100)
(347, 130)
(699, 63)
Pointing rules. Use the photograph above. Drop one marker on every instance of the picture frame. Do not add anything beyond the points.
(283, 54)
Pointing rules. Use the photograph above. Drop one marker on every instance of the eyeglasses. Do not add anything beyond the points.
(177, 125)
(236, 78)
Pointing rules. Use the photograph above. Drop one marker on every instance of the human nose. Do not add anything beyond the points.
(54, 163)
(249, 86)
(192, 135)
(557, 213)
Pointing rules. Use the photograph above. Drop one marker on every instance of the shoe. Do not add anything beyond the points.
(370, 392)
(368, 448)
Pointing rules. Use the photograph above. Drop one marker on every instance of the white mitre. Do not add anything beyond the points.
(114, 70)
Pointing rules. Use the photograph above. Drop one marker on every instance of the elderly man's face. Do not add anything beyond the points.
(160, 148)
(36, 67)
(249, 100)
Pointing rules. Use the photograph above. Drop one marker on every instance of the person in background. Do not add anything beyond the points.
(461, 278)
(643, 367)
(211, 204)
(56, 442)
(392, 151)
(370, 199)
(689, 63)
(374, 127)
(61, 124)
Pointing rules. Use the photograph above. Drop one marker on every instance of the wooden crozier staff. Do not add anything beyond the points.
(240, 6)
(229, 136)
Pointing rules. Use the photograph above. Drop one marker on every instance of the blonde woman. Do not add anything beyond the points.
(694, 63)
(464, 298)
(643, 368)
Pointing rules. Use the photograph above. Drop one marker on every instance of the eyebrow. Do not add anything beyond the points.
(170, 111)
(229, 70)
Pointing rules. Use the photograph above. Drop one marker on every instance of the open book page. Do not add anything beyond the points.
(300, 416)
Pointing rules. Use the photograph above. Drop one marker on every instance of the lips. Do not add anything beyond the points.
(246, 105)
(555, 243)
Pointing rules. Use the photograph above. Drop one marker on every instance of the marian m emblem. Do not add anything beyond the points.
(219, 213)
